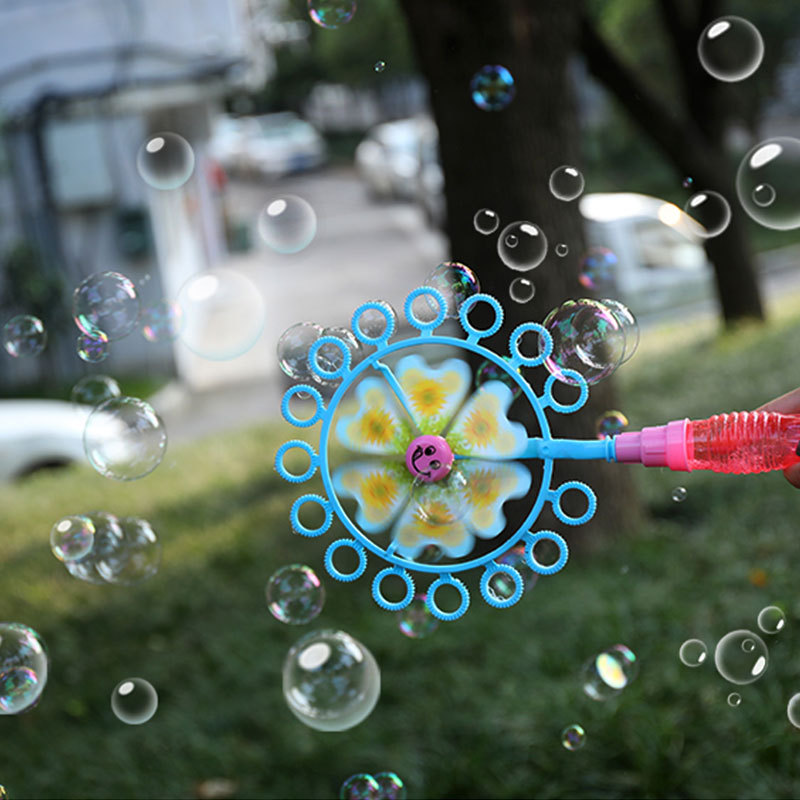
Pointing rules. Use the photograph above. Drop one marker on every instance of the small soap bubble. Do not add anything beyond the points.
(609, 672)
(92, 348)
(293, 348)
(734, 699)
(391, 786)
(135, 557)
(287, 224)
(486, 221)
(597, 268)
(372, 323)
(72, 537)
(611, 423)
(693, 653)
(91, 390)
(562, 249)
(416, 620)
(687, 182)
(741, 656)
(793, 710)
(108, 540)
(134, 701)
(566, 183)
(771, 619)
(711, 213)
(361, 786)
(165, 161)
(679, 494)
(162, 322)
(730, 49)
(107, 303)
(24, 336)
(515, 557)
(124, 438)
(522, 246)
(573, 737)
(23, 667)
(456, 282)
(331, 682)
(331, 13)
(380, 66)
(521, 290)
(295, 594)
(492, 88)
(489, 371)
(768, 183)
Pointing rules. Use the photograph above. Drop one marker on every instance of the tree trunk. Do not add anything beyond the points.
(502, 160)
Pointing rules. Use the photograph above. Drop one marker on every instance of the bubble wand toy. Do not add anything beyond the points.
(436, 466)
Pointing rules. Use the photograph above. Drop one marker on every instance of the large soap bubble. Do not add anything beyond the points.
(23, 667)
(106, 303)
(741, 657)
(165, 161)
(293, 349)
(730, 49)
(134, 701)
(24, 336)
(108, 539)
(331, 682)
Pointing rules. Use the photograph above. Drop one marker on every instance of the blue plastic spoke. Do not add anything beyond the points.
(390, 378)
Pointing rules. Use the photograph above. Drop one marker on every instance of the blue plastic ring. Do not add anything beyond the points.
(294, 515)
(381, 600)
(347, 357)
(301, 445)
(408, 309)
(467, 306)
(516, 335)
(491, 598)
(286, 411)
(591, 498)
(580, 382)
(338, 574)
(530, 542)
(447, 616)
(387, 315)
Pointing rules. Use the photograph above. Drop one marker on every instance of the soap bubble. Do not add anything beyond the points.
(391, 786)
(730, 49)
(295, 595)
(92, 348)
(693, 653)
(521, 290)
(768, 183)
(23, 667)
(611, 423)
(380, 66)
(124, 438)
(566, 183)
(135, 558)
(91, 390)
(416, 620)
(456, 281)
(597, 268)
(486, 221)
(711, 213)
(165, 161)
(562, 249)
(24, 336)
(108, 540)
(741, 656)
(609, 672)
(361, 786)
(502, 584)
(106, 303)
(372, 323)
(573, 737)
(444, 502)
(430, 554)
(734, 699)
(587, 337)
(293, 348)
(629, 325)
(679, 494)
(162, 322)
(329, 356)
(492, 88)
(287, 224)
(793, 710)
(72, 537)
(771, 619)
(489, 371)
(687, 182)
(134, 701)
(223, 314)
(331, 682)
(331, 13)
(522, 246)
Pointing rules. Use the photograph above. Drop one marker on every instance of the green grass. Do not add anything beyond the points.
(475, 710)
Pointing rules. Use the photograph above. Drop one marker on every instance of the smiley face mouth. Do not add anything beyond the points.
(414, 458)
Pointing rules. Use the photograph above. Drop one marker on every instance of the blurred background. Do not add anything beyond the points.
(372, 123)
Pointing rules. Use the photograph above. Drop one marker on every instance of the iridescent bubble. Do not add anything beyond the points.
(629, 324)
(134, 701)
(486, 221)
(597, 268)
(741, 656)
(693, 652)
(72, 537)
(679, 494)
(521, 290)
(91, 390)
(293, 349)
(135, 558)
(380, 66)
(443, 503)
(492, 88)
(771, 619)
(108, 540)
(711, 213)
(730, 49)
(295, 595)
(165, 161)
(611, 423)
(502, 585)
(331, 13)
(566, 183)
(573, 737)
(92, 348)
(24, 336)
(287, 224)
(124, 438)
(162, 321)
(330, 357)
(372, 323)
(223, 314)
(23, 667)
(734, 699)
(609, 672)
(522, 246)
(361, 786)
(587, 337)
(489, 371)
(391, 786)
(793, 710)
(416, 620)
(562, 249)
(456, 282)
(687, 182)
(331, 682)
(107, 303)
(768, 183)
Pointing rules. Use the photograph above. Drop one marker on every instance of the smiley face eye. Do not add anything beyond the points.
(435, 464)
(430, 450)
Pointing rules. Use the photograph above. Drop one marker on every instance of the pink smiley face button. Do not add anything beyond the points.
(429, 458)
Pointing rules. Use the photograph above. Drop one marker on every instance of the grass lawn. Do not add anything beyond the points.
(474, 711)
